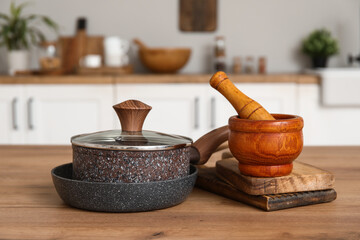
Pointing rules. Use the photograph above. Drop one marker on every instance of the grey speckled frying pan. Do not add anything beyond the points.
(121, 197)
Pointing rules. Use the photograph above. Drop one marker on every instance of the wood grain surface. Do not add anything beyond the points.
(132, 114)
(246, 107)
(266, 148)
(72, 49)
(209, 181)
(304, 177)
(31, 209)
(159, 78)
(104, 70)
(198, 15)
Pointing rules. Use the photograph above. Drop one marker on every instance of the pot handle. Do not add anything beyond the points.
(204, 147)
(132, 114)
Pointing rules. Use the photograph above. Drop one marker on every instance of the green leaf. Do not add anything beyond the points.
(50, 23)
(12, 9)
(5, 17)
(19, 9)
(39, 34)
(33, 37)
(31, 17)
(17, 31)
(320, 43)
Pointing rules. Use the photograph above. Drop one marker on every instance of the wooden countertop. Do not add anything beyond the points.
(31, 209)
(153, 78)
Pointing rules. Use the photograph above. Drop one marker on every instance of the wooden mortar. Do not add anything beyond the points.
(265, 145)
(266, 148)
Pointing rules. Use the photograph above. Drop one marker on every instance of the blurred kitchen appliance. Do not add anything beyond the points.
(90, 61)
(116, 51)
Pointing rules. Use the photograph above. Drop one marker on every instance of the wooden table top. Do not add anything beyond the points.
(31, 209)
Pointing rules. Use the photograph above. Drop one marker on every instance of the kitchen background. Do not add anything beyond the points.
(271, 28)
(50, 109)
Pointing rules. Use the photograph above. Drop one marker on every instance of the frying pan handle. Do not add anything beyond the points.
(204, 147)
(132, 114)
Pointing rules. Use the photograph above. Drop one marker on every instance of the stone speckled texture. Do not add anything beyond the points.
(121, 197)
(99, 165)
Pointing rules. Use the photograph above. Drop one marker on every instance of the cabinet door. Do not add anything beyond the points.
(327, 125)
(54, 113)
(11, 114)
(176, 108)
(274, 97)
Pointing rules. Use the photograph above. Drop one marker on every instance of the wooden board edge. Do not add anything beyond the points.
(268, 203)
(276, 202)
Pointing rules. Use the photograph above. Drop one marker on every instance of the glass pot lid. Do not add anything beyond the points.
(132, 114)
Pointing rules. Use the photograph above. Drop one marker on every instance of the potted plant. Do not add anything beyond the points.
(18, 32)
(320, 45)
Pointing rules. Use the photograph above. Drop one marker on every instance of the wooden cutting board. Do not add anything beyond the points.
(304, 177)
(69, 52)
(198, 15)
(208, 181)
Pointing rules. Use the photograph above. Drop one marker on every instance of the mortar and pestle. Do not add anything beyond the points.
(264, 144)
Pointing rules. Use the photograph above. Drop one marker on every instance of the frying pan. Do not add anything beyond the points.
(132, 170)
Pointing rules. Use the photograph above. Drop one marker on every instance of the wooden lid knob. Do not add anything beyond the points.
(132, 114)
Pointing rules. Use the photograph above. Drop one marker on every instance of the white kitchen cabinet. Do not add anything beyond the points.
(11, 114)
(327, 125)
(51, 114)
(274, 97)
(176, 108)
(194, 109)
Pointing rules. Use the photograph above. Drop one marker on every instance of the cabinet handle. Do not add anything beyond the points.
(212, 112)
(30, 113)
(196, 113)
(13, 114)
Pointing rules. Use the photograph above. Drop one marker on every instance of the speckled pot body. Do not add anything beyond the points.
(99, 165)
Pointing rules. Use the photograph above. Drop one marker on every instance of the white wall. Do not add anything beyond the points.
(273, 28)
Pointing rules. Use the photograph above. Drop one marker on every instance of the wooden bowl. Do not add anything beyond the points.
(164, 60)
(266, 148)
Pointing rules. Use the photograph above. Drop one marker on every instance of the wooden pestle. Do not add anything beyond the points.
(246, 107)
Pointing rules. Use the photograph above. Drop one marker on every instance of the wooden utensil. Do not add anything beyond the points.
(163, 60)
(246, 107)
(265, 145)
(140, 43)
(72, 49)
(266, 148)
(208, 181)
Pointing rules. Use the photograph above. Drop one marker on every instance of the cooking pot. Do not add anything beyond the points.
(133, 155)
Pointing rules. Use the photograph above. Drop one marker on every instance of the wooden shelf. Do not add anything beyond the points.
(158, 78)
